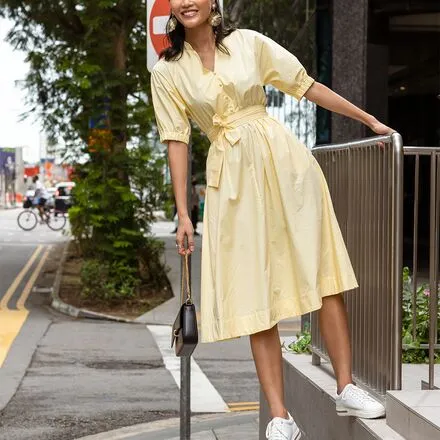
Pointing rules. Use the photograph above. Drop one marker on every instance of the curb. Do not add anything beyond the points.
(59, 305)
(165, 425)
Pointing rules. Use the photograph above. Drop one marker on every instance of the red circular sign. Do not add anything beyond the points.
(161, 8)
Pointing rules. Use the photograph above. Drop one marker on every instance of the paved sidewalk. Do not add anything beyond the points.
(243, 426)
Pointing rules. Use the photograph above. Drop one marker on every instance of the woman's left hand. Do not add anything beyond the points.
(382, 129)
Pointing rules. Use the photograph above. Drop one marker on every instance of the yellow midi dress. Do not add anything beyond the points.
(272, 247)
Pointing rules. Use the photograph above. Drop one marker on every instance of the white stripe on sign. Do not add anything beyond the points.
(204, 397)
(159, 25)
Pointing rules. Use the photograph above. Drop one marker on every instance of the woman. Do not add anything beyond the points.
(272, 247)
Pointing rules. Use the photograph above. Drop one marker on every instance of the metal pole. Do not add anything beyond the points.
(185, 362)
(185, 398)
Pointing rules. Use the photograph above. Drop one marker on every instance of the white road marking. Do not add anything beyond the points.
(204, 397)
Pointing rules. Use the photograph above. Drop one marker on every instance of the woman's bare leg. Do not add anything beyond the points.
(333, 323)
(266, 348)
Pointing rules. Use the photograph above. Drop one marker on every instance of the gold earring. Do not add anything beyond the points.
(172, 24)
(215, 18)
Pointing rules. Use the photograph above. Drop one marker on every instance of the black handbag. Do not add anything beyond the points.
(185, 334)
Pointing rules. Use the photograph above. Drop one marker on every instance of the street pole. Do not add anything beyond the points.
(185, 362)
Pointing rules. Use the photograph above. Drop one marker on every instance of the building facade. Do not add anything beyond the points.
(382, 55)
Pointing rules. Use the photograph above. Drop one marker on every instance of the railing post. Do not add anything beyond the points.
(397, 258)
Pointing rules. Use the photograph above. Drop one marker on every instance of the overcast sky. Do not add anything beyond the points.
(13, 132)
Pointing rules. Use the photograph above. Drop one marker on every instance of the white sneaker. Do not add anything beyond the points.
(283, 429)
(356, 402)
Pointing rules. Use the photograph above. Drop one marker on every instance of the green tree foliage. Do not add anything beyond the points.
(83, 53)
(88, 70)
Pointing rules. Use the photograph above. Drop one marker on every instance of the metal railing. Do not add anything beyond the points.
(366, 184)
(431, 158)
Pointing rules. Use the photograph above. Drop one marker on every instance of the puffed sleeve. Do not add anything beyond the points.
(169, 108)
(281, 68)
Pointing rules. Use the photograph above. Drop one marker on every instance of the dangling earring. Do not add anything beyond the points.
(215, 18)
(172, 24)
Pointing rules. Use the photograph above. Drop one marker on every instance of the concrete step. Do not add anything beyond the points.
(414, 414)
(310, 393)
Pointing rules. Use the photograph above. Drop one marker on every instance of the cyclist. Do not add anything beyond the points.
(41, 196)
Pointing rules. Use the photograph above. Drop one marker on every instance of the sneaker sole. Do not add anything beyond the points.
(360, 413)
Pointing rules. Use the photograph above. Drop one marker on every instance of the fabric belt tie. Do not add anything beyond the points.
(223, 134)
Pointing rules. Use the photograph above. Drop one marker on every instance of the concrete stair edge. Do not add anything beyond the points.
(315, 409)
(414, 414)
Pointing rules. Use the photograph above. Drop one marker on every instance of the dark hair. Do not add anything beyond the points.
(177, 38)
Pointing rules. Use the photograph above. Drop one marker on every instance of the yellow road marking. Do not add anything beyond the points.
(18, 279)
(12, 320)
(243, 406)
(27, 289)
(11, 323)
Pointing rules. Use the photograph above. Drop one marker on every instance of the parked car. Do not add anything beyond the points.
(63, 196)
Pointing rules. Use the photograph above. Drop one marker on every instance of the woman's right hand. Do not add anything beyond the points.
(185, 234)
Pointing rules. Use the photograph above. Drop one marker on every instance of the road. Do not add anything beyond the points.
(64, 378)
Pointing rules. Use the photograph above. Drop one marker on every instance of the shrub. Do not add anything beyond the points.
(108, 281)
(412, 353)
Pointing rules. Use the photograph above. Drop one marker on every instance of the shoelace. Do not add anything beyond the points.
(273, 433)
(360, 395)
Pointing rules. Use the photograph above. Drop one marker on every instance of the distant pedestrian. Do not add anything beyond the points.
(272, 247)
(41, 196)
(175, 219)
(195, 201)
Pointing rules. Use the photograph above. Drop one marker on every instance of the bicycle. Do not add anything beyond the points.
(28, 219)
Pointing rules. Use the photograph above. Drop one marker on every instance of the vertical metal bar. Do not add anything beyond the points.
(433, 265)
(397, 249)
(356, 242)
(382, 270)
(365, 303)
(437, 287)
(185, 362)
(372, 263)
(415, 244)
(361, 235)
(374, 271)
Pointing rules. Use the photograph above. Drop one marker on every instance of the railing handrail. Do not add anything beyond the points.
(365, 142)
(420, 150)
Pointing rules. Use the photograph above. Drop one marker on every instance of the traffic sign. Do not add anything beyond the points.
(158, 13)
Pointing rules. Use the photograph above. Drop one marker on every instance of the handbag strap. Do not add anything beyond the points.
(185, 282)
